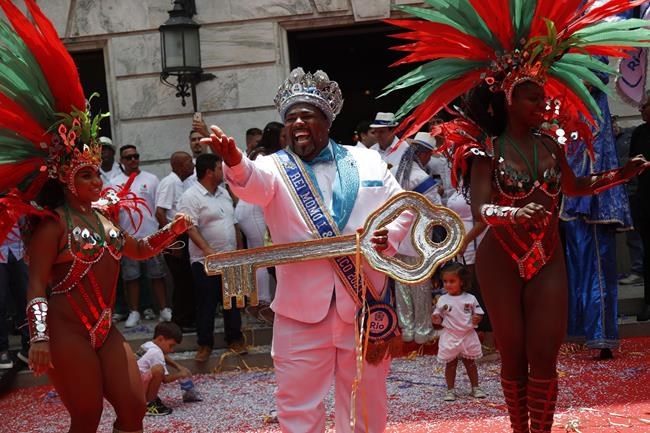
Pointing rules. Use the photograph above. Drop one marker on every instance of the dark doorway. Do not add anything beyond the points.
(93, 79)
(358, 58)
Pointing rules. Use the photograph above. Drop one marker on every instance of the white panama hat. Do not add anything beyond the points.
(425, 140)
(384, 120)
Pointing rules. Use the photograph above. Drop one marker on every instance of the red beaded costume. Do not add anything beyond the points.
(48, 139)
(474, 48)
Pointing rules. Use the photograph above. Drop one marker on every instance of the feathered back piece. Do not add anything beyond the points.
(505, 42)
(45, 127)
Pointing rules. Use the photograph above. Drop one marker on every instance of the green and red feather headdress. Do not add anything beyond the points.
(46, 130)
(504, 42)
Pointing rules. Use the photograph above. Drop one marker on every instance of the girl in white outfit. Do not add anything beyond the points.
(459, 313)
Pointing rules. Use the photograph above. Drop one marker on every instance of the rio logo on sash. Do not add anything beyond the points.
(382, 321)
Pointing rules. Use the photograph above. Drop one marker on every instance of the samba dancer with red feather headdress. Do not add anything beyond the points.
(524, 67)
(50, 153)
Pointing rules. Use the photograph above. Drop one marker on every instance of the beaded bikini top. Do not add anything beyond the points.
(532, 250)
(516, 184)
(87, 247)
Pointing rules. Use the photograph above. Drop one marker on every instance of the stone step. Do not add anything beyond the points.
(632, 328)
(220, 360)
(630, 307)
(258, 337)
(255, 333)
(630, 299)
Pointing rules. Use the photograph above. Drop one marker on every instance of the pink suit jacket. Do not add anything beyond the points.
(304, 290)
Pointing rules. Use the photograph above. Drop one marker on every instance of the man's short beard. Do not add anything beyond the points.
(302, 151)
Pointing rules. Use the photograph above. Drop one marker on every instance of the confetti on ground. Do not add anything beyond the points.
(595, 397)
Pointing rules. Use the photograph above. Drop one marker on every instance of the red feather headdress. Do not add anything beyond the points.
(502, 43)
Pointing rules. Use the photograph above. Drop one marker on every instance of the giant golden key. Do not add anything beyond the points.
(238, 267)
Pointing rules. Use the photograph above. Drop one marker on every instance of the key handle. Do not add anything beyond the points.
(430, 254)
(238, 267)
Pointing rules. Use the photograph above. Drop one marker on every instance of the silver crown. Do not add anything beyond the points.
(316, 89)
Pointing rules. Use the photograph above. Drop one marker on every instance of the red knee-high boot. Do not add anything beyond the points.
(515, 393)
(542, 395)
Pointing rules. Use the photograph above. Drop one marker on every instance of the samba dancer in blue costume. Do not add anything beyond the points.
(590, 224)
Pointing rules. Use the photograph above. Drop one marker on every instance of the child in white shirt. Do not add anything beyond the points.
(153, 363)
(459, 313)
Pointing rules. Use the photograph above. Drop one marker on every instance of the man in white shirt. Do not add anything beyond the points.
(144, 186)
(170, 189)
(209, 204)
(198, 131)
(109, 168)
(367, 137)
(13, 280)
(388, 145)
(315, 308)
(253, 137)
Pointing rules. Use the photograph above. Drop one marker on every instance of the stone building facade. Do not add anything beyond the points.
(243, 43)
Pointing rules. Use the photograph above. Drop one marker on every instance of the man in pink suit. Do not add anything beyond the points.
(317, 188)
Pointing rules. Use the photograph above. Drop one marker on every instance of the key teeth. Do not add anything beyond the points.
(227, 302)
(228, 281)
(241, 301)
(239, 282)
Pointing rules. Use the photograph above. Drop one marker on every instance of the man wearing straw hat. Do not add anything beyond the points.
(389, 146)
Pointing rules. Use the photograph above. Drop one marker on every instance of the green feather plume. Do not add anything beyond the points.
(444, 14)
(21, 78)
(438, 73)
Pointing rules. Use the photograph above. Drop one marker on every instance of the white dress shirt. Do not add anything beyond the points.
(108, 176)
(170, 189)
(251, 222)
(144, 186)
(458, 204)
(393, 153)
(439, 165)
(215, 219)
(192, 179)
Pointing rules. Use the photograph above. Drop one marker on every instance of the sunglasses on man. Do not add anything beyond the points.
(131, 157)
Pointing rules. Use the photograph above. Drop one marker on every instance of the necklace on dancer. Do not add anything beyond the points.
(531, 168)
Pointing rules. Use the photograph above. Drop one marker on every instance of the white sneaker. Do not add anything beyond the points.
(133, 319)
(165, 315)
(149, 314)
(5, 361)
(450, 395)
(118, 317)
(631, 279)
(478, 392)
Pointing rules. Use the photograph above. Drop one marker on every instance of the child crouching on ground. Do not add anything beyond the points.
(459, 313)
(153, 364)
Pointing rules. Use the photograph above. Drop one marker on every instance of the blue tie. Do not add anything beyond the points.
(325, 155)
